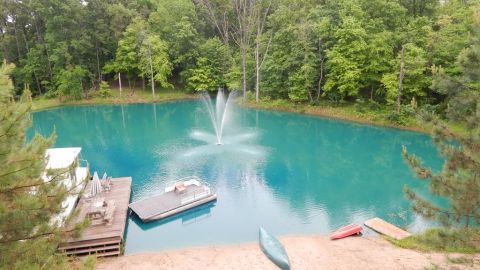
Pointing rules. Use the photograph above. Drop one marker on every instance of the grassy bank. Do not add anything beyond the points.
(443, 240)
(355, 112)
(128, 96)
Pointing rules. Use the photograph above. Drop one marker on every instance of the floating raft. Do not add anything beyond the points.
(180, 197)
(381, 226)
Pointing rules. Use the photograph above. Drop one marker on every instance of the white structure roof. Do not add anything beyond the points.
(60, 158)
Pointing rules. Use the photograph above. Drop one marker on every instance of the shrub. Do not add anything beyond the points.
(104, 90)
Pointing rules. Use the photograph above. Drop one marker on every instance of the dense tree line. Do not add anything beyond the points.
(303, 51)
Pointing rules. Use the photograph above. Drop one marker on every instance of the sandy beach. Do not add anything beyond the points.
(305, 252)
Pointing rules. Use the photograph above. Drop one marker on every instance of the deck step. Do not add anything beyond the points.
(110, 253)
(83, 244)
(101, 254)
(93, 250)
(381, 226)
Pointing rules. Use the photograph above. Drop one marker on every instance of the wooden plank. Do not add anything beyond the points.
(93, 250)
(111, 253)
(381, 226)
(98, 235)
(89, 243)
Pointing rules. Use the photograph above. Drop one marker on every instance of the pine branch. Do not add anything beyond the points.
(19, 116)
(53, 179)
(35, 236)
(12, 172)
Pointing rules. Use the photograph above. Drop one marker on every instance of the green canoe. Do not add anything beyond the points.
(274, 250)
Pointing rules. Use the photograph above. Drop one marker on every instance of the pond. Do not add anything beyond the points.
(290, 173)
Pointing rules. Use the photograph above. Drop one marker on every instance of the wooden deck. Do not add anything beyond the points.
(170, 203)
(102, 239)
(381, 226)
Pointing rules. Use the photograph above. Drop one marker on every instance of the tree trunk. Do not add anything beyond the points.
(151, 70)
(4, 46)
(320, 79)
(143, 83)
(400, 79)
(98, 62)
(120, 83)
(244, 71)
(257, 64)
(83, 90)
(16, 40)
(467, 218)
(39, 34)
(28, 50)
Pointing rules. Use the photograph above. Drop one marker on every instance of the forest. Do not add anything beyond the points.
(418, 59)
(385, 52)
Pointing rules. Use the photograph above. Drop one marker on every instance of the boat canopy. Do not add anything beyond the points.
(60, 158)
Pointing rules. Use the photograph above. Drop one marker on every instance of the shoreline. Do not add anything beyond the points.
(326, 112)
(305, 252)
(318, 111)
(138, 97)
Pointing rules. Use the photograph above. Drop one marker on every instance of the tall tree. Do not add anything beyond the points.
(176, 22)
(413, 82)
(262, 12)
(154, 59)
(28, 237)
(211, 68)
(451, 31)
(347, 60)
(245, 14)
(459, 179)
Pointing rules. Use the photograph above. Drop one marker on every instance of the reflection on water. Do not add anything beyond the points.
(292, 174)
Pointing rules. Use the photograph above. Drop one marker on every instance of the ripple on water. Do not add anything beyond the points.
(291, 174)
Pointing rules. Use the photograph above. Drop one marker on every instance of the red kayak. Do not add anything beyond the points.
(346, 231)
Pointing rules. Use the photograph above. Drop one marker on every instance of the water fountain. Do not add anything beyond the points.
(240, 144)
(220, 114)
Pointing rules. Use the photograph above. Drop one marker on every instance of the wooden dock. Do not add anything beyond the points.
(103, 239)
(171, 203)
(381, 226)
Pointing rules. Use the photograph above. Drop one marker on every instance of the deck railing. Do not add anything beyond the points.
(172, 183)
(195, 195)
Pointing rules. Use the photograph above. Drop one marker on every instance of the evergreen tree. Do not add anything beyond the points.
(459, 179)
(28, 237)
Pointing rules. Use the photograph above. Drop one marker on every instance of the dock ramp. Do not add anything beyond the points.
(381, 226)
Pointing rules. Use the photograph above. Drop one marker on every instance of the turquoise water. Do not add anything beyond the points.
(290, 173)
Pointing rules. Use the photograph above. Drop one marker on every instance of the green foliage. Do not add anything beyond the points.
(291, 68)
(176, 21)
(154, 58)
(347, 59)
(201, 77)
(450, 35)
(415, 81)
(459, 179)
(104, 91)
(334, 50)
(69, 82)
(212, 67)
(442, 240)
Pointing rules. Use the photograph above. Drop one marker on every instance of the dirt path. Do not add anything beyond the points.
(305, 252)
